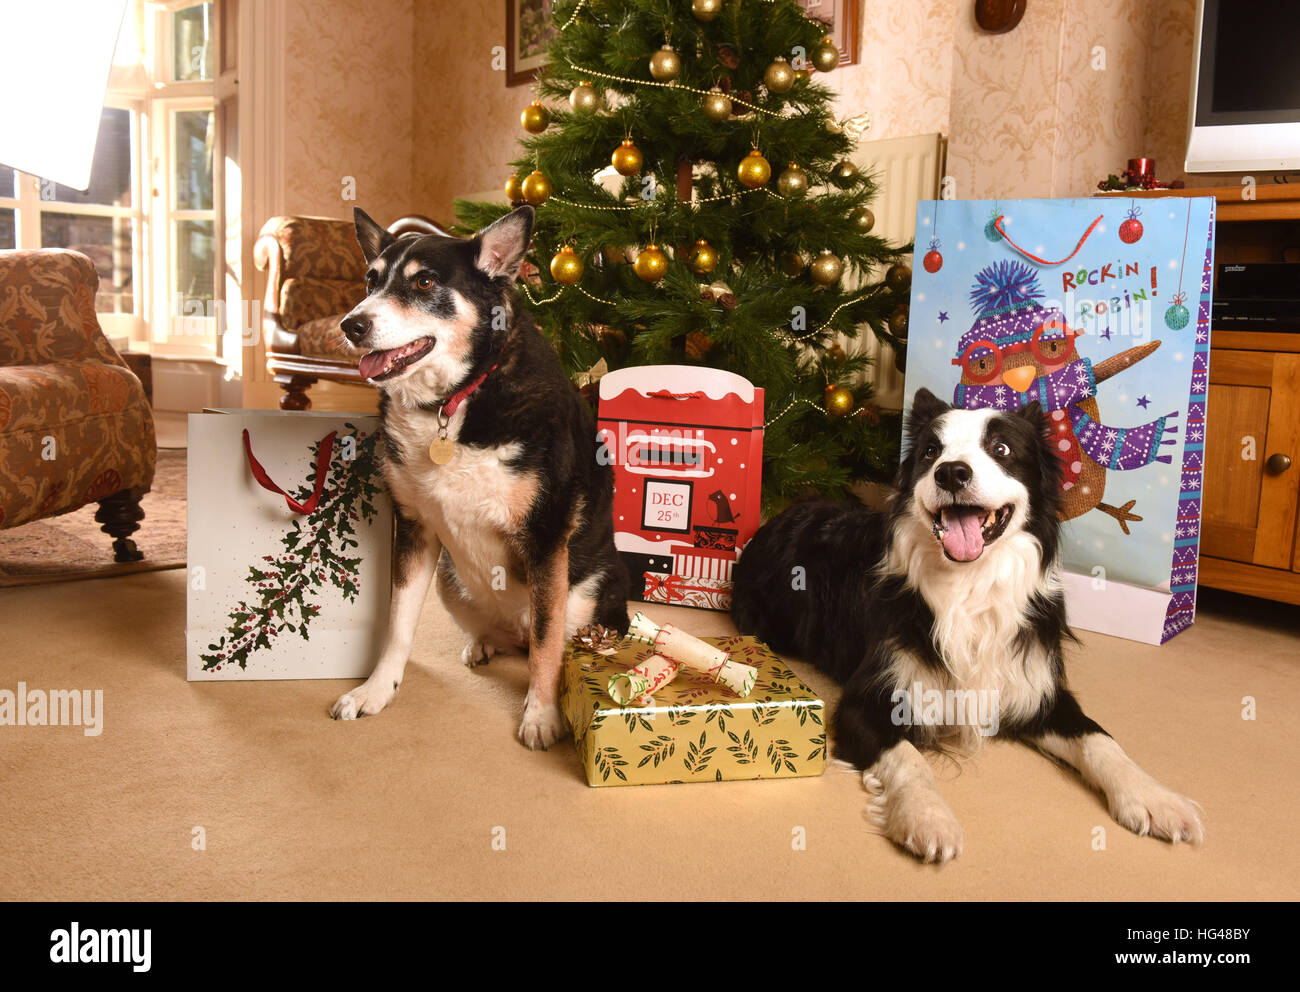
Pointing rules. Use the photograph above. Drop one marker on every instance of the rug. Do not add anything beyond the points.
(71, 546)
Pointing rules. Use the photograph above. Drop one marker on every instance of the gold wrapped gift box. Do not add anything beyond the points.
(693, 730)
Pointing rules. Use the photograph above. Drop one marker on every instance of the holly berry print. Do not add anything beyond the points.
(285, 591)
(1130, 232)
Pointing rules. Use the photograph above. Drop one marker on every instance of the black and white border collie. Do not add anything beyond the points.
(938, 615)
(517, 525)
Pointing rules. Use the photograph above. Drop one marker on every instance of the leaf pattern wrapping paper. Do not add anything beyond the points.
(693, 730)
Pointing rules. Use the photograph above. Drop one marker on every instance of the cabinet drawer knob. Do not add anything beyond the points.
(1279, 463)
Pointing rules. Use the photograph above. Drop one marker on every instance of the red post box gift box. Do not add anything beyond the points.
(686, 444)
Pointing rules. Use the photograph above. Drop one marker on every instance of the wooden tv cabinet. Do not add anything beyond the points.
(1250, 534)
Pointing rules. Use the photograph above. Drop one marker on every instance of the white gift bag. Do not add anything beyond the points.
(290, 546)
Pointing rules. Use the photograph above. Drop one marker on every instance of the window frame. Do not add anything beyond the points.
(29, 207)
(150, 96)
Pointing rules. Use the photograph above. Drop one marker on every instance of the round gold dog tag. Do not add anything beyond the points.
(441, 450)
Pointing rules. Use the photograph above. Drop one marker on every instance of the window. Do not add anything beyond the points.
(148, 220)
(8, 232)
(102, 223)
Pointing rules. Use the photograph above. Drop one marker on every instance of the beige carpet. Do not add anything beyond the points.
(405, 805)
(72, 545)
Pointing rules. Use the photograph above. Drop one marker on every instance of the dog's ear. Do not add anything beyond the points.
(502, 244)
(372, 238)
(1050, 467)
(925, 407)
(1032, 414)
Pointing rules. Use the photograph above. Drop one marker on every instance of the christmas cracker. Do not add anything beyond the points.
(693, 653)
(642, 681)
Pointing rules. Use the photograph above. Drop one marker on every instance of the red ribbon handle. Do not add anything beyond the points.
(322, 467)
(665, 394)
(997, 224)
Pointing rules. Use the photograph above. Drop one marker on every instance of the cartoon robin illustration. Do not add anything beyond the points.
(1017, 351)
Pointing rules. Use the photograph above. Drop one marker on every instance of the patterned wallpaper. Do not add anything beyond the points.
(468, 120)
(903, 75)
(402, 95)
(1169, 86)
(347, 78)
(1069, 96)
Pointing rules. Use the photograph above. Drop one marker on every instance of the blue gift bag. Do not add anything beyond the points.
(1099, 310)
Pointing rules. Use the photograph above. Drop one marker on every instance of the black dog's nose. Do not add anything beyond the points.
(952, 476)
(355, 328)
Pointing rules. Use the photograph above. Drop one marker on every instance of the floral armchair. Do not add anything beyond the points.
(315, 275)
(75, 427)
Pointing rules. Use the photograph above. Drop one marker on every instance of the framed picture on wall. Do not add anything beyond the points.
(529, 29)
(841, 20)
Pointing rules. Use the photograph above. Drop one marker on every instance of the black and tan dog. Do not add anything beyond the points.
(490, 457)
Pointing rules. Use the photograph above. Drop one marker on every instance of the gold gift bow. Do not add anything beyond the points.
(691, 652)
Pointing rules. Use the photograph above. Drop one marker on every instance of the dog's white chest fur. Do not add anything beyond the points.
(979, 609)
(471, 504)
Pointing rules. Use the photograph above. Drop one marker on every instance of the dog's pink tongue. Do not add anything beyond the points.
(964, 538)
(372, 364)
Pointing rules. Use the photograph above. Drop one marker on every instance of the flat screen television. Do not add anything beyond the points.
(1245, 107)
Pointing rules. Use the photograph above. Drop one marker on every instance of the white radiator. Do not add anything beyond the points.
(907, 170)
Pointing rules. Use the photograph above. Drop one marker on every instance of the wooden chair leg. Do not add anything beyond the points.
(120, 515)
(295, 391)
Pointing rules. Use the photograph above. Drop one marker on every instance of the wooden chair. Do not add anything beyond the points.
(315, 275)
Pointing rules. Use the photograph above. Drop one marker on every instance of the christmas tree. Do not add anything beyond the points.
(733, 231)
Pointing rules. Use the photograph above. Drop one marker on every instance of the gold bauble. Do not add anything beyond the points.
(514, 189)
(651, 264)
(863, 219)
(825, 56)
(898, 321)
(537, 189)
(583, 98)
(793, 181)
(844, 174)
(838, 400)
(778, 77)
(717, 105)
(535, 117)
(706, 10)
(704, 258)
(627, 158)
(665, 64)
(566, 266)
(837, 353)
(793, 263)
(802, 75)
(826, 268)
(754, 170)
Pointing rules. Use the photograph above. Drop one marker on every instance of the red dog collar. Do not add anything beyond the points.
(449, 408)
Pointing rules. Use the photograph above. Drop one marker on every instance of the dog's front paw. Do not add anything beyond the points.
(476, 652)
(543, 724)
(1147, 807)
(367, 699)
(917, 819)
